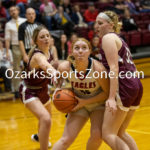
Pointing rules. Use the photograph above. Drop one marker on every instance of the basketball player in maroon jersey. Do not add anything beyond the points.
(91, 94)
(125, 93)
(34, 89)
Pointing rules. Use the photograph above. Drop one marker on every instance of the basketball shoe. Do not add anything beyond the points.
(35, 138)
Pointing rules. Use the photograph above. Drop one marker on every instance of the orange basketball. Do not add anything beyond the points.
(64, 100)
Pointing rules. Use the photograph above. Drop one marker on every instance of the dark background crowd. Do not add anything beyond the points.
(68, 19)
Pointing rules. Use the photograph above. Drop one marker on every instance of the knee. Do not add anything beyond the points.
(104, 133)
(46, 120)
(122, 134)
(96, 136)
(106, 136)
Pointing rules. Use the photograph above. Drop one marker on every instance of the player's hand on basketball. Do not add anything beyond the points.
(80, 104)
(60, 82)
(111, 105)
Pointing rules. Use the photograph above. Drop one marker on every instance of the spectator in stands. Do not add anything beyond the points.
(54, 53)
(120, 6)
(57, 2)
(8, 3)
(95, 43)
(11, 38)
(48, 11)
(128, 22)
(67, 7)
(4, 65)
(90, 14)
(25, 34)
(3, 11)
(77, 17)
(3, 17)
(92, 32)
(35, 4)
(22, 4)
(145, 5)
(63, 21)
(53, 49)
(73, 38)
(131, 7)
(137, 4)
(62, 47)
(22, 1)
(105, 1)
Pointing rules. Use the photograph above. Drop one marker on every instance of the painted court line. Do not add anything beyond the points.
(137, 131)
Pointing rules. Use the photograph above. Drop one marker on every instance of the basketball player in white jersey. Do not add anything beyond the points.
(91, 93)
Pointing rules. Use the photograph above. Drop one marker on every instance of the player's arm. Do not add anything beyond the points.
(40, 61)
(55, 61)
(111, 52)
(63, 67)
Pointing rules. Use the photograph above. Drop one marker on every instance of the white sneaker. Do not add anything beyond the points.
(35, 138)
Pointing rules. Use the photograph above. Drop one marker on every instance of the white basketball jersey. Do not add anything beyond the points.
(84, 85)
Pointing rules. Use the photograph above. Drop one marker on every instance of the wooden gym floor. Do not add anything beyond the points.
(17, 124)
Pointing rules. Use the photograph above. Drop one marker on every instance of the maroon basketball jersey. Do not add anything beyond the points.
(130, 89)
(37, 80)
(125, 60)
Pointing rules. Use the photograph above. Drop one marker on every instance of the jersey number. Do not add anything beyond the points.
(128, 54)
(85, 91)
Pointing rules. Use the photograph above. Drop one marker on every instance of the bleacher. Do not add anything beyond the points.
(133, 38)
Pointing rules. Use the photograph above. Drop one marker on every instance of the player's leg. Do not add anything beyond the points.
(95, 140)
(49, 109)
(35, 137)
(37, 108)
(110, 128)
(73, 126)
(124, 135)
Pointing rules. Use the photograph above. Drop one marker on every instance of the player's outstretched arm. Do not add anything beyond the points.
(63, 67)
(40, 61)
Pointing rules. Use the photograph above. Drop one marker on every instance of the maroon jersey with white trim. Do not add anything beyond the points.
(36, 78)
(125, 59)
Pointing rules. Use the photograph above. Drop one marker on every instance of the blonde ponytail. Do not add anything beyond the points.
(114, 18)
(118, 27)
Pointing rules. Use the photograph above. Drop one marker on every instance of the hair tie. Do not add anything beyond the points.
(104, 16)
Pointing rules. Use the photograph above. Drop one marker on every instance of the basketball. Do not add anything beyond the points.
(64, 100)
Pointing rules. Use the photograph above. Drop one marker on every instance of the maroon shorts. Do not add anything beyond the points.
(130, 93)
(27, 94)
